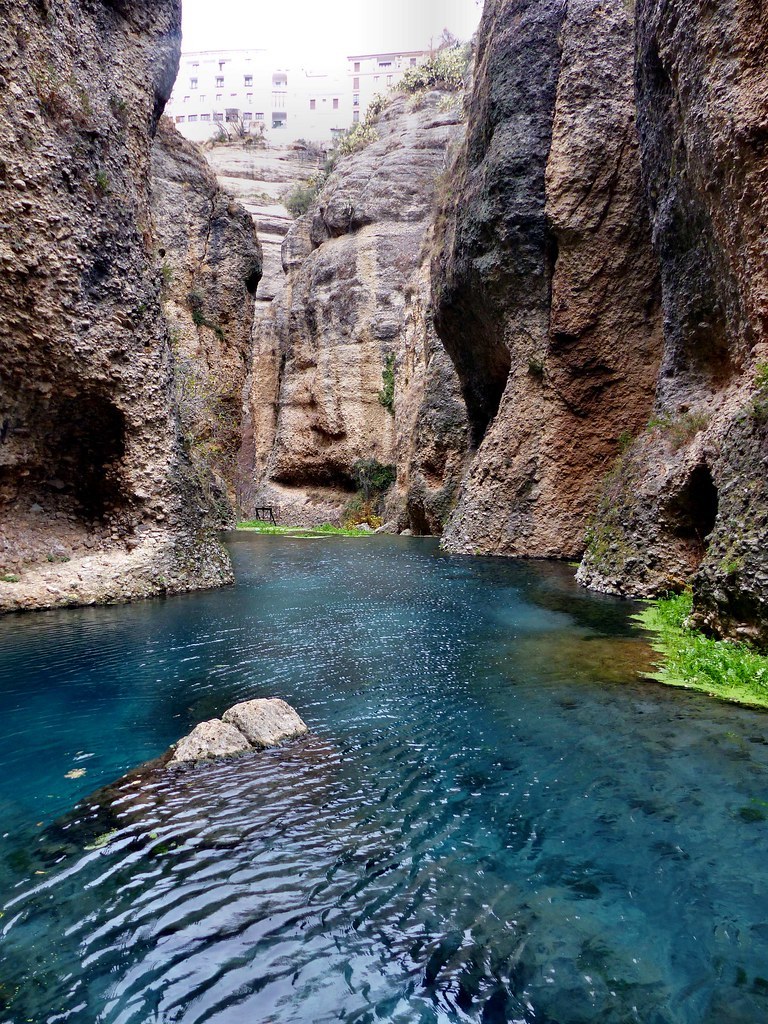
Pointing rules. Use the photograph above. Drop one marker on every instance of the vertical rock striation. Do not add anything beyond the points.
(690, 496)
(210, 261)
(546, 291)
(342, 314)
(98, 501)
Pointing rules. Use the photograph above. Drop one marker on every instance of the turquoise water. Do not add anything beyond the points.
(493, 819)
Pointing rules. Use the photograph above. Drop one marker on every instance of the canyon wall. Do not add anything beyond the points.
(690, 496)
(98, 499)
(210, 261)
(351, 310)
(545, 287)
(601, 288)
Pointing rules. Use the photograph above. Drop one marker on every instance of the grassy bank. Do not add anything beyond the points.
(731, 671)
(326, 530)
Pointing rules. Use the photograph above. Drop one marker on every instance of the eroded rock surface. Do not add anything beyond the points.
(691, 494)
(98, 501)
(352, 266)
(210, 261)
(250, 725)
(265, 722)
(545, 290)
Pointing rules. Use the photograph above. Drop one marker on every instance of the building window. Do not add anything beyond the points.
(218, 117)
(192, 117)
(389, 79)
(201, 97)
(221, 65)
(279, 119)
(259, 116)
(357, 65)
(205, 117)
(249, 81)
(186, 99)
(232, 114)
(219, 97)
(335, 104)
(180, 119)
(356, 116)
(219, 81)
(247, 115)
(355, 83)
(356, 101)
(376, 79)
(193, 83)
(249, 97)
(385, 63)
(413, 62)
(313, 104)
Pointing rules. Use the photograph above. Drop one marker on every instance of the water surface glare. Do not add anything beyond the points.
(493, 819)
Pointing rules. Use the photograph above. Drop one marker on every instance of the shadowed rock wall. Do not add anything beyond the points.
(98, 501)
(210, 261)
(546, 290)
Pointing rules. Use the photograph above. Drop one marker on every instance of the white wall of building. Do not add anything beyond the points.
(214, 87)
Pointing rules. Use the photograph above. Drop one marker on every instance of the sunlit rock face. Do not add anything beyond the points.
(210, 261)
(353, 303)
(97, 498)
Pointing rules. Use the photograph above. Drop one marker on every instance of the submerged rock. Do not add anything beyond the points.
(252, 724)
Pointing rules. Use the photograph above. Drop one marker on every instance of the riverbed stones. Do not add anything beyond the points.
(265, 722)
(250, 725)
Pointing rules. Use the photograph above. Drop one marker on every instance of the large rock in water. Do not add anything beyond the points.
(265, 722)
(250, 725)
(98, 501)
(354, 305)
(211, 739)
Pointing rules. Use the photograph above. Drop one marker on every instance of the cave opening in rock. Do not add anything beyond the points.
(694, 509)
(86, 445)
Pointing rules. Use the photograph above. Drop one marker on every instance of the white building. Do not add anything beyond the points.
(372, 74)
(248, 88)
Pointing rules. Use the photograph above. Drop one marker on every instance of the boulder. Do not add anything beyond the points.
(265, 723)
(210, 739)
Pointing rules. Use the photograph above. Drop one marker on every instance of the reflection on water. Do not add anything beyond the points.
(493, 820)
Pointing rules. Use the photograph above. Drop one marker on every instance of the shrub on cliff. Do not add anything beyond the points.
(446, 69)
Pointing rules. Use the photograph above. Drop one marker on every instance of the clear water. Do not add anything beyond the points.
(494, 819)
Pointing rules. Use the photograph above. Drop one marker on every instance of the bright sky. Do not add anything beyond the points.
(318, 32)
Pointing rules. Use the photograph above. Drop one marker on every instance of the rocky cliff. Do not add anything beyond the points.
(99, 501)
(210, 261)
(350, 312)
(546, 289)
(602, 291)
(689, 498)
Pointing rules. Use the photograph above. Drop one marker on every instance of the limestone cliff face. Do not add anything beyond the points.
(342, 314)
(210, 261)
(98, 501)
(691, 494)
(545, 291)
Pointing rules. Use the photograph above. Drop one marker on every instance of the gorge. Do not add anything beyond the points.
(519, 329)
